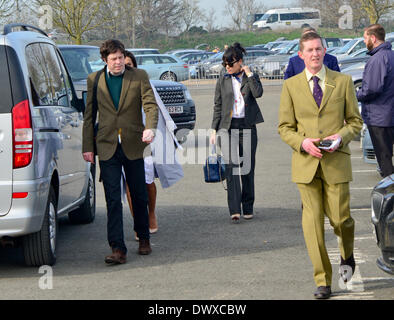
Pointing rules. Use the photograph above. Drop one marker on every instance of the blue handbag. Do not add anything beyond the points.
(214, 168)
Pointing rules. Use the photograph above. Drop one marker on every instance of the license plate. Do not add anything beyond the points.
(175, 109)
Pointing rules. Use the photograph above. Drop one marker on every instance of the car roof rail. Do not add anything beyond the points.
(9, 27)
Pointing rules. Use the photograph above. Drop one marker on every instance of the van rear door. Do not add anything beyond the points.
(12, 92)
(6, 152)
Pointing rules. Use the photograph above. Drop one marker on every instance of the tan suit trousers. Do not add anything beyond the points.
(318, 199)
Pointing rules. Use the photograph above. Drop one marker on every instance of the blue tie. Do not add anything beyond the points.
(317, 91)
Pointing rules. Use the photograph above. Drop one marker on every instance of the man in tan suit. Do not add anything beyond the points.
(121, 140)
(320, 104)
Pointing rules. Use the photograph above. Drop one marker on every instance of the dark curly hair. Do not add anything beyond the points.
(234, 53)
(111, 46)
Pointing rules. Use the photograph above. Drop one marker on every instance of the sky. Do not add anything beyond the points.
(223, 20)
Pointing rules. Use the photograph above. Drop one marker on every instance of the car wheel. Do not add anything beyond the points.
(39, 248)
(87, 212)
(168, 76)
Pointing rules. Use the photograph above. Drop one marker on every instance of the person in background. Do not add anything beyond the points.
(168, 173)
(377, 96)
(320, 104)
(236, 112)
(296, 64)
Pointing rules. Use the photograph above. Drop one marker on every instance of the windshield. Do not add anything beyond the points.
(265, 17)
(346, 47)
(82, 61)
(286, 49)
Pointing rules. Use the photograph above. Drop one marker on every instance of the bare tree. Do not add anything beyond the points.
(191, 13)
(75, 17)
(6, 8)
(210, 20)
(376, 8)
(235, 9)
(239, 10)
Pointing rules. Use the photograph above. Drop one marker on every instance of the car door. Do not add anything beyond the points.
(70, 161)
(149, 64)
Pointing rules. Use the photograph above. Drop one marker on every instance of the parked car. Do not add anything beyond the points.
(215, 69)
(182, 52)
(175, 96)
(196, 57)
(350, 47)
(356, 57)
(136, 51)
(275, 65)
(333, 42)
(163, 67)
(382, 199)
(43, 175)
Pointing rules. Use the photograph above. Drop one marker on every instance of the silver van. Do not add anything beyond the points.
(43, 174)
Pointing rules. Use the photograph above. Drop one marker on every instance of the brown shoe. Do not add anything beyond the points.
(117, 257)
(144, 247)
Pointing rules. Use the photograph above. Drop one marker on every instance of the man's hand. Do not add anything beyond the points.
(334, 137)
(309, 146)
(148, 135)
(88, 156)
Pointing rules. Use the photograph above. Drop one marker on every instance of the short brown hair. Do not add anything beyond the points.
(111, 46)
(309, 36)
(308, 29)
(377, 30)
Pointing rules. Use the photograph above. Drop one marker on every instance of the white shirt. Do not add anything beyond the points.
(239, 103)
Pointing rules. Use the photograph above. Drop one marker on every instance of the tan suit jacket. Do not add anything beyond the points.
(300, 118)
(136, 93)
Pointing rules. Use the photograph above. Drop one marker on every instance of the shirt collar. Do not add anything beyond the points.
(110, 74)
(321, 74)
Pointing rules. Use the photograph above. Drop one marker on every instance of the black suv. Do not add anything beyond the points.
(82, 60)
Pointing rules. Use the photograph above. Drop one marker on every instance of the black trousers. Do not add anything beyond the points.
(111, 171)
(382, 140)
(241, 157)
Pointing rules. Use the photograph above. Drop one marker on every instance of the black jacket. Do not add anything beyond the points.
(251, 89)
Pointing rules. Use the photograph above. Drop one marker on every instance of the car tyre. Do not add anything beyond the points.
(87, 212)
(39, 248)
(168, 76)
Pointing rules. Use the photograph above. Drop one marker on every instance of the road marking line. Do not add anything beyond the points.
(362, 188)
(364, 171)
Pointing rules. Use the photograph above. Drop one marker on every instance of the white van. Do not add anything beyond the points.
(290, 18)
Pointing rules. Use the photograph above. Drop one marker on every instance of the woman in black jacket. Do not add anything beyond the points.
(235, 116)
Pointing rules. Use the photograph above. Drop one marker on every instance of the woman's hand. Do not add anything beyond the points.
(212, 139)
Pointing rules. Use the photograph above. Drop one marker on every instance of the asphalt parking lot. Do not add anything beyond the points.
(198, 253)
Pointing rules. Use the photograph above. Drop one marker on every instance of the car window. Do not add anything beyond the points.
(359, 46)
(38, 76)
(58, 87)
(147, 61)
(65, 77)
(81, 61)
(167, 59)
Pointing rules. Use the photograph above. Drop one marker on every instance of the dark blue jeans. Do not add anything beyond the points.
(111, 171)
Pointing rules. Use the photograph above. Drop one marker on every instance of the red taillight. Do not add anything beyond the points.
(186, 66)
(19, 195)
(22, 134)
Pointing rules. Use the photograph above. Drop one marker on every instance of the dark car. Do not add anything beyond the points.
(382, 200)
(82, 60)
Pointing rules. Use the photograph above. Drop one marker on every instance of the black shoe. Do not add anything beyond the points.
(349, 262)
(323, 292)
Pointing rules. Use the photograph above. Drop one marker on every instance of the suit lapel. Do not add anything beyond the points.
(125, 87)
(244, 81)
(329, 88)
(228, 87)
(305, 88)
(102, 86)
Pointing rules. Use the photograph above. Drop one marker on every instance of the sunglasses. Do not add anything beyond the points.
(230, 64)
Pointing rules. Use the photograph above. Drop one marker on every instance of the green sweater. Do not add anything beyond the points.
(114, 84)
